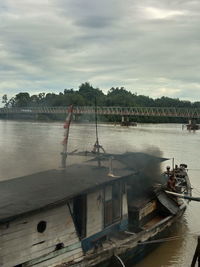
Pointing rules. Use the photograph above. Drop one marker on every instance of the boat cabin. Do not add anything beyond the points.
(61, 216)
(56, 216)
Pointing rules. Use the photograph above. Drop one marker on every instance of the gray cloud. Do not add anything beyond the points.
(151, 47)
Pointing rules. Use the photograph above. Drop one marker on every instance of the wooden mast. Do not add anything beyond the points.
(66, 135)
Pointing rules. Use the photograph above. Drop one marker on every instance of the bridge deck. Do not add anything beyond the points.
(134, 111)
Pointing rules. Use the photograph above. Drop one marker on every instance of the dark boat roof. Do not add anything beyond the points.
(43, 189)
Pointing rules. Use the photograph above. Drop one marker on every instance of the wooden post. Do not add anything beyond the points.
(173, 165)
(196, 254)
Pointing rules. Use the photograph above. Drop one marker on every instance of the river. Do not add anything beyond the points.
(28, 147)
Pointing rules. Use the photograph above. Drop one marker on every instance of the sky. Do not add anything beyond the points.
(150, 47)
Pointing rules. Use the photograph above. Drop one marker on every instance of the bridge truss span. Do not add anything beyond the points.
(123, 111)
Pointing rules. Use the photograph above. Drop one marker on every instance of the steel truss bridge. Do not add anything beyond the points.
(123, 111)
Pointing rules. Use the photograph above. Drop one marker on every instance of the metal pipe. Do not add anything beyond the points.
(120, 260)
(183, 196)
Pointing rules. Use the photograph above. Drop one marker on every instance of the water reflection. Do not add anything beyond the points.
(178, 252)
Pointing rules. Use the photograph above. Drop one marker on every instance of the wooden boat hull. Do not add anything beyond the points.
(131, 249)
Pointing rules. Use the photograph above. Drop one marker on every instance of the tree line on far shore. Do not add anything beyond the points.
(86, 95)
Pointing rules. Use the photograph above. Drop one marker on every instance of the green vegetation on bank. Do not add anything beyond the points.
(86, 95)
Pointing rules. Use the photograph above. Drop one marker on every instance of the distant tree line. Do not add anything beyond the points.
(86, 94)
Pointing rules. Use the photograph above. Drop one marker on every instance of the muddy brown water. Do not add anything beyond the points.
(28, 147)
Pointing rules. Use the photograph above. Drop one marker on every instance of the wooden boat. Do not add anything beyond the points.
(192, 125)
(85, 215)
(128, 123)
(88, 214)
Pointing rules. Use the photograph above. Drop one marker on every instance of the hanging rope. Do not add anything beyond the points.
(120, 260)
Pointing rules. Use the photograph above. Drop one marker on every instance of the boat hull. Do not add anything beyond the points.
(134, 249)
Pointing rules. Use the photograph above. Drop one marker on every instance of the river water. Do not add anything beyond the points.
(28, 147)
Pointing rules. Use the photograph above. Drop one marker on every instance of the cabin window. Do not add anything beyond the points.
(112, 204)
(41, 227)
(79, 215)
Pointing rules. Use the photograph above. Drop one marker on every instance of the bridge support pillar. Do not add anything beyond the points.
(192, 124)
(125, 121)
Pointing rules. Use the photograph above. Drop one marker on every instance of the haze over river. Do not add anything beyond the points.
(28, 147)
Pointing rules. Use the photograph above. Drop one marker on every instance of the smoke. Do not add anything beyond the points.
(147, 167)
(152, 170)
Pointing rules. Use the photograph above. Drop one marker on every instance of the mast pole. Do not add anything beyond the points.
(66, 135)
(173, 170)
(97, 139)
(96, 148)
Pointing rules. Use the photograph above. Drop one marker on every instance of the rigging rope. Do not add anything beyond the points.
(120, 260)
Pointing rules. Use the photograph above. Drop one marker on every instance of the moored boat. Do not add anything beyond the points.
(85, 215)
(91, 214)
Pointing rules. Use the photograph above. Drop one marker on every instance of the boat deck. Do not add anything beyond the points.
(152, 222)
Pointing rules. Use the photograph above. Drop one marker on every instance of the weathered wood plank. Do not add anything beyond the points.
(48, 254)
(60, 229)
(60, 259)
(51, 243)
(56, 224)
(31, 221)
(54, 230)
(68, 253)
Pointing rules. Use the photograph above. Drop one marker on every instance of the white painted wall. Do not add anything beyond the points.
(124, 205)
(94, 212)
(18, 242)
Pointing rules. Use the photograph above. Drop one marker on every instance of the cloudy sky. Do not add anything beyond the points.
(151, 47)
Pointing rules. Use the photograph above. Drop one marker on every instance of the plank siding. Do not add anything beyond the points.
(75, 255)
(34, 235)
(19, 224)
(94, 212)
(21, 242)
